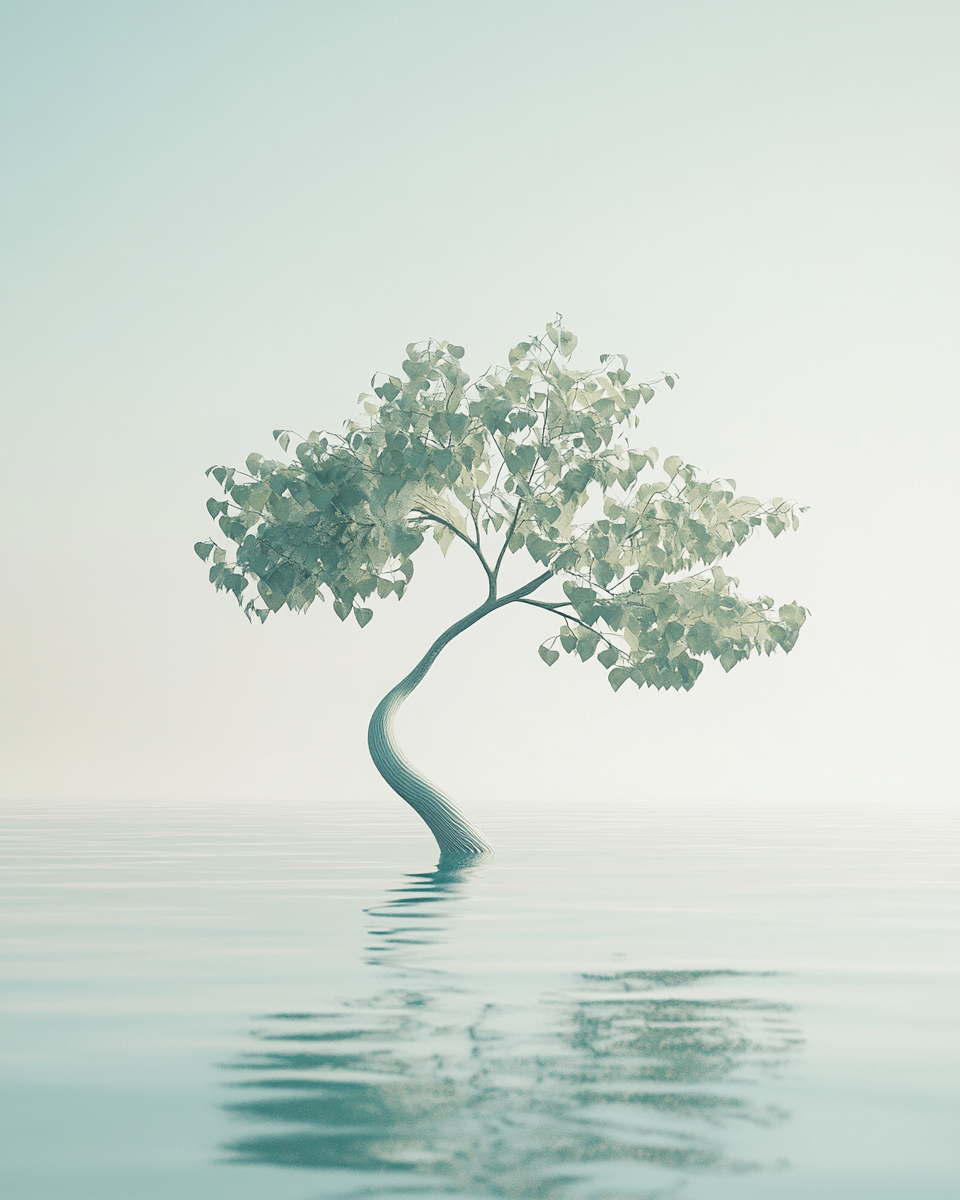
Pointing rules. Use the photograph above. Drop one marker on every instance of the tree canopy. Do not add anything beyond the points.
(535, 458)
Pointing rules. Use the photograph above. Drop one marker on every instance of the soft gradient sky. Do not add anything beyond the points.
(220, 218)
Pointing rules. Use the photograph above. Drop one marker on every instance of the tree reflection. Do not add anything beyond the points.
(608, 1087)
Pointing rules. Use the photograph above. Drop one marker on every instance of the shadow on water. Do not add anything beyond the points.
(613, 1085)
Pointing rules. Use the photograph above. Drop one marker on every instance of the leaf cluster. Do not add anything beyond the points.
(535, 457)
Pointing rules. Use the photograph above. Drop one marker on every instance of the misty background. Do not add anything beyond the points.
(221, 218)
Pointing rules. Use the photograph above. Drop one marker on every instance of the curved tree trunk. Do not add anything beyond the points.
(456, 835)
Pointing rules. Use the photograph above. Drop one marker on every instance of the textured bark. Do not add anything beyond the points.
(456, 835)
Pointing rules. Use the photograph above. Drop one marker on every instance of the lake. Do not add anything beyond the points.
(285, 1001)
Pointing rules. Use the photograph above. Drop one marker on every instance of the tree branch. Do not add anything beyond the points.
(569, 617)
(473, 513)
(424, 515)
(549, 605)
(506, 540)
(521, 592)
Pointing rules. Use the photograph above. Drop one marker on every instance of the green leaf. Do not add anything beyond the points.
(792, 614)
(522, 459)
(444, 537)
(539, 547)
(603, 573)
(688, 669)
(363, 615)
(672, 464)
(457, 423)
(548, 656)
(587, 642)
(608, 657)
(618, 677)
(568, 343)
(456, 351)
(700, 638)
(203, 549)
(583, 599)
(670, 380)
(283, 578)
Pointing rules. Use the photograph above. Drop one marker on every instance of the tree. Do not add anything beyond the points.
(534, 458)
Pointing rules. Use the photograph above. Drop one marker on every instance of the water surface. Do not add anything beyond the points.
(259, 1001)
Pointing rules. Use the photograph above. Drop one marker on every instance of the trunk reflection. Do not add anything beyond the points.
(609, 1085)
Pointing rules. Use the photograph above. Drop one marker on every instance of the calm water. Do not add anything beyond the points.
(263, 1002)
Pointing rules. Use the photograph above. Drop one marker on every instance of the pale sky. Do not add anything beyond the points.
(221, 218)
